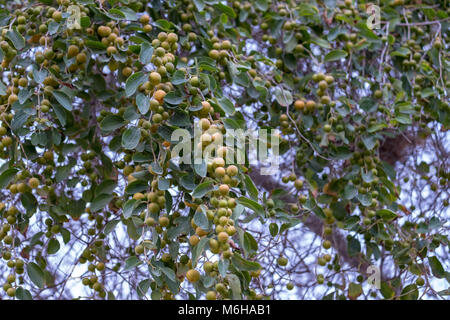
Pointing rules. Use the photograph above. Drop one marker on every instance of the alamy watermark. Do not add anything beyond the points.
(74, 18)
(374, 20)
(374, 277)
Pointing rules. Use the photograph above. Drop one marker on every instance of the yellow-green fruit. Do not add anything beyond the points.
(223, 237)
(139, 249)
(164, 221)
(33, 183)
(193, 275)
(11, 292)
(155, 78)
(104, 31)
(211, 295)
(282, 261)
(72, 51)
(193, 240)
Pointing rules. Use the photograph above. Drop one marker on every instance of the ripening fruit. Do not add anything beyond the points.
(211, 295)
(224, 189)
(12, 98)
(144, 19)
(299, 105)
(193, 240)
(326, 244)
(150, 221)
(104, 31)
(155, 78)
(163, 221)
(282, 261)
(139, 249)
(193, 275)
(298, 184)
(11, 292)
(72, 51)
(159, 95)
(420, 281)
(223, 237)
(204, 124)
(232, 170)
(310, 104)
(290, 286)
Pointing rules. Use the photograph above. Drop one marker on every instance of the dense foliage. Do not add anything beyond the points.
(94, 206)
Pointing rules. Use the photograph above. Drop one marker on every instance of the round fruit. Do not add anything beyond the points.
(139, 249)
(193, 240)
(155, 78)
(223, 237)
(282, 261)
(193, 275)
(211, 295)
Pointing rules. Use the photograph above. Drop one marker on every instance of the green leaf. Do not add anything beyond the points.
(112, 122)
(169, 273)
(354, 291)
(2, 89)
(116, 14)
(16, 38)
(335, 55)
(136, 186)
(436, 267)
(197, 250)
(39, 75)
(226, 9)
(95, 45)
(143, 287)
(133, 82)
(143, 103)
(7, 176)
(23, 294)
(253, 205)
(262, 5)
(283, 97)
(146, 53)
(200, 4)
(36, 274)
(353, 247)
(53, 246)
(178, 77)
(100, 202)
(202, 189)
(249, 244)
(250, 187)
(226, 105)
(350, 192)
(165, 25)
(106, 187)
(386, 290)
(173, 97)
(273, 229)
(244, 265)
(131, 137)
(163, 184)
(386, 214)
(410, 292)
(131, 263)
(201, 220)
(369, 141)
(110, 226)
(235, 286)
(223, 266)
(63, 100)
